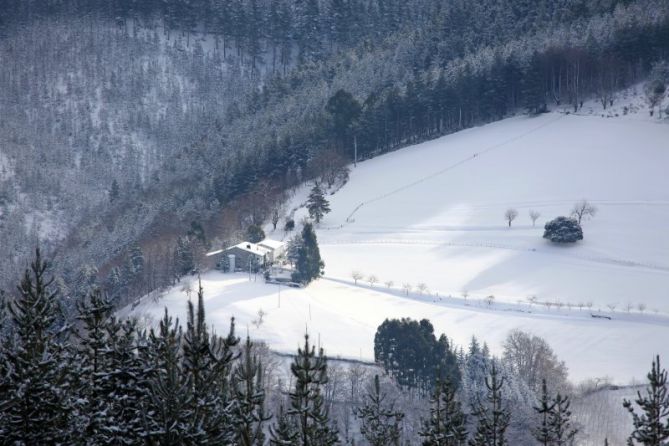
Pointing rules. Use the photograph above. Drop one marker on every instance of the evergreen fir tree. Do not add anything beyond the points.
(184, 259)
(309, 265)
(651, 426)
(447, 424)
(255, 234)
(223, 350)
(36, 406)
(380, 422)
(172, 415)
(283, 432)
(317, 205)
(560, 421)
(544, 433)
(202, 368)
(307, 405)
(493, 417)
(249, 408)
(125, 383)
(94, 314)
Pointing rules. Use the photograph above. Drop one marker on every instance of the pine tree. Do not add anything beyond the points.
(447, 424)
(317, 205)
(380, 423)
(283, 432)
(560, 421)
(651, 427)
(307, 405)
(223, 350)
(94, 314)
(493, 417)
(249, 408)
(309, 265)
(544, 433)
(172, 415)
(201, 367)
(36, 406)
(125, 383)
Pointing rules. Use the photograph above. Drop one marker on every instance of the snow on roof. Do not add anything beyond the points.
(253, 248)
(213, 253)
(272, 244)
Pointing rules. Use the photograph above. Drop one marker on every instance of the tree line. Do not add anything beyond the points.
(106, 380)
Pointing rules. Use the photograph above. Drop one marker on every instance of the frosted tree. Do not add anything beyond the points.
(651, 423)
(307, 405)
(560, 421)
(317, 205)
(447, 423)
(37, 406)
(249, 399)
(510, 215)
(544, 433)
(583, 210)
(380, 422)
(493, 417)
(534, 216)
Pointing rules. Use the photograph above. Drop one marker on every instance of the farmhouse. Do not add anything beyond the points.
(246, 255)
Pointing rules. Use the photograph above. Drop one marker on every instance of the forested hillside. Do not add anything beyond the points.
(135, 134)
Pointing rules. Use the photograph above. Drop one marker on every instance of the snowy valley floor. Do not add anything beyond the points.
(344, 317)
(433, 214)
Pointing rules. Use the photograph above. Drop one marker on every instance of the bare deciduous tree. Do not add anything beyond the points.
(533, 359)
(406, 287)
(490, 300)
(356, 275)
(372, 279)
(510, 215)
(421, 287)
(583, 209)
(534, 216)
(641, 307)
(389, 283)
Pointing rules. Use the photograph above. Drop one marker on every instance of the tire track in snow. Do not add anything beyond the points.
(451, 167)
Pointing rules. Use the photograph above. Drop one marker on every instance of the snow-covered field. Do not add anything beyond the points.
(434, 214)
(344, 318)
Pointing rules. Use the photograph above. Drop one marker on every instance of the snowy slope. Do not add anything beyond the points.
(344, 318)
(433, 214)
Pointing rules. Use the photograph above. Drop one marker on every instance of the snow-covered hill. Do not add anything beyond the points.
(434, 214)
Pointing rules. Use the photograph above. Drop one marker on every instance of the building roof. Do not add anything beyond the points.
(253, 248)
(272, 244)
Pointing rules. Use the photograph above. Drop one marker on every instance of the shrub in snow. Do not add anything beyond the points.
(563, 230)
(255, 234)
